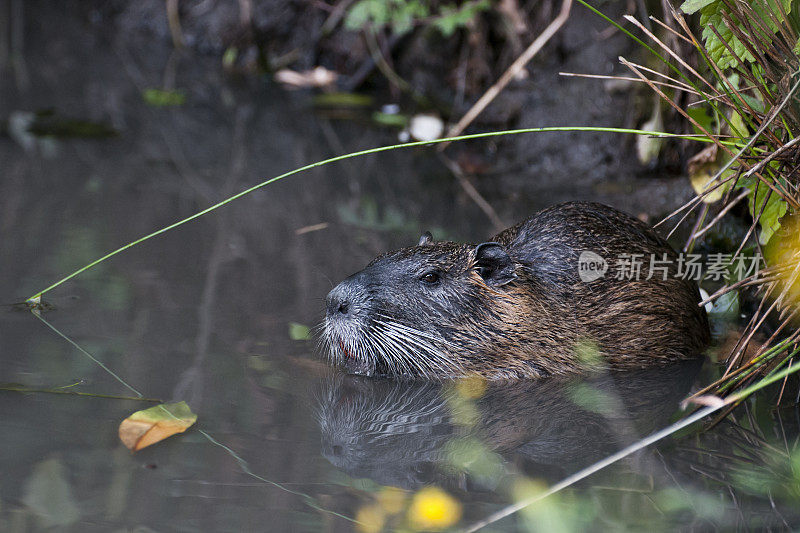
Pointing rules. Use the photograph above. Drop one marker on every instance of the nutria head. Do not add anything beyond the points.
(420, 311)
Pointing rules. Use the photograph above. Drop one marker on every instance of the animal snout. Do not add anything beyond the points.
(337, 302)
(342, 301)
(350, 300)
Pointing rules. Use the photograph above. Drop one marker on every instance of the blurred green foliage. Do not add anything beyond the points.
(163, 98)
(299, 332)
(721, 40)
(400, 16)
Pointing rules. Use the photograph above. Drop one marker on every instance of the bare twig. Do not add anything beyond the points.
(473, 193)
(382, 64)
(677, 107)
(686, 88)
(337, 13)
(511, 72)
(722, 213)
(770, 157)
(671, 30)
(669, 50)
(174, 22)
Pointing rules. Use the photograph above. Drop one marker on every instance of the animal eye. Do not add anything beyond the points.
(430, 277)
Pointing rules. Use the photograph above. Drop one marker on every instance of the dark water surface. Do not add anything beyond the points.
(203, 314)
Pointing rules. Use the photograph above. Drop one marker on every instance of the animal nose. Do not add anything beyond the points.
(337, 302)
(337, 306)
(350, 298)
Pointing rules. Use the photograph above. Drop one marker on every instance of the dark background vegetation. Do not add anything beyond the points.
(89, 162)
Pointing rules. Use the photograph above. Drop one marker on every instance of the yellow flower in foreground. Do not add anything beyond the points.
(370, 519)
(433, 509)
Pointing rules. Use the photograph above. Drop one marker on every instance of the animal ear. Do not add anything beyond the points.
(494, 264)
(426, 239)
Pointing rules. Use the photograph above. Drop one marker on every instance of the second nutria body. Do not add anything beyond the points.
(538, 299)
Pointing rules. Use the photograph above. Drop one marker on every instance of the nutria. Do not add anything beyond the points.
(518, 306)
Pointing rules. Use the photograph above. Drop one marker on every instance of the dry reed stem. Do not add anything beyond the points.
(510, 73)
(686, 88)
(728, 206)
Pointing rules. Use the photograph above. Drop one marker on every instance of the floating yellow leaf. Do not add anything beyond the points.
(432, 509)
(149, 426)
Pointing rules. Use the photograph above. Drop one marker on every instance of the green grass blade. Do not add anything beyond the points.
(36, 297)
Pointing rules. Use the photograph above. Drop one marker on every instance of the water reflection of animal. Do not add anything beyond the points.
(402, 433)
(519, 305)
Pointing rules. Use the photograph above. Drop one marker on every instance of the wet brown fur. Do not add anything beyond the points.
(541, 322)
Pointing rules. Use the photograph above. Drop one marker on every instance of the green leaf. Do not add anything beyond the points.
(299, 332)
(711, 16)
(451, 17)
(738, 125)
(773, 211)
(754, 102)
(796, 48)
(702, 117)
(398, 14)
(365, 12)
(448, 23)
(401, 15)
(229, 57)
(692, 6)
(390, 119)
(733, 79)
(770, 219)
(405, 14)
(342, 100)
(162, 98)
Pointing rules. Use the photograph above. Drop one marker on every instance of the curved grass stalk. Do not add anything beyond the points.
(36, 298)
(635, 447)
